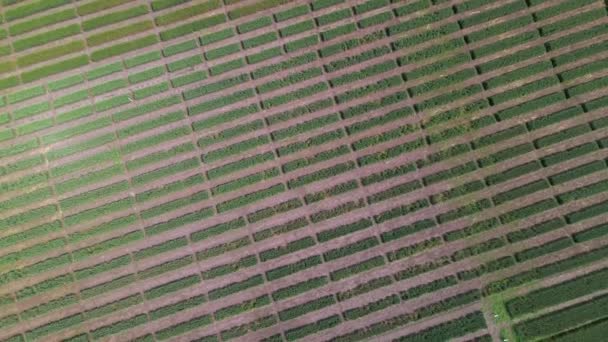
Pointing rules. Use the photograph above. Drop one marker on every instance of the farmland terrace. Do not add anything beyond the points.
(323, 170)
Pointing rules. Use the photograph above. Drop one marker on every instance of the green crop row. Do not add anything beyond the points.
(363, 288)
(369, 308)
(225, 117)
(338, 210)
(583, 192)
(388, 135)
(546, 270)
(159, 156)
(286, 270)
(168, 288)
(351, 43)
(460, 129)
(159, 248)
(108, 286)
(452, 172)
(413, 249)
(215, 87)
(424, 36)
(563, 319)
(330, 192)
(292, 12)
(157, 270)
(194, 77)
(457, 191)
(448, 330)
(102, 267)
(220, 102)
(479, 248)
(466, 110)
(235, 287)
(459, 76)
(153, 123)
(505, 154)
(299, 27)
(316, 158)
(289, 80)
(49, 306)
(238, 308)
(104, 246)
(299, 288)
(588, 332)
(223, 248)
(217, 229)
(487, 267)
(391, 152)
(288, 248)
(183, 327)
(368, 89)
(242, 329)
(227, 66)
(191, 27)
(223, 51)
(315, 140)
(573, 38)
(26, 199)
(350, 248)
(430, 287)
(520, 191)
(245, 181)
(556, 294)
(273, 210)
(534, 230)
(525, 89)
(28, 216)
(587, 212)
(374, 105)
(264, 55)
(281, 229)
(259, 40)
(419, 21)
(235, 148)
(304, 308)
(109, 226)
(433, 333)
(54, 326)
(120, 48)
(432, 51)
(32, 233)
(498, 29)
(299, 111)
(406, 230)
(590, 233)
(187, 12)
(311, 328)
(359, 267)
(570, 22)
(570, 153)
(394, 191)
(401, 210)
(165, 171)
(553, 118)
(549, 247)
(179, 221)
(229, 133)
(529, 210)
(388, 174)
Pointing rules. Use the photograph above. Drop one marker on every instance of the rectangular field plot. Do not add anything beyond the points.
(323, 170)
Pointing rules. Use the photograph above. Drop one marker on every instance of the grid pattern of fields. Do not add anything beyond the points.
(329, 170)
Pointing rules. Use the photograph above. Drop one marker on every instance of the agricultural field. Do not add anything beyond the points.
(288, 170)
